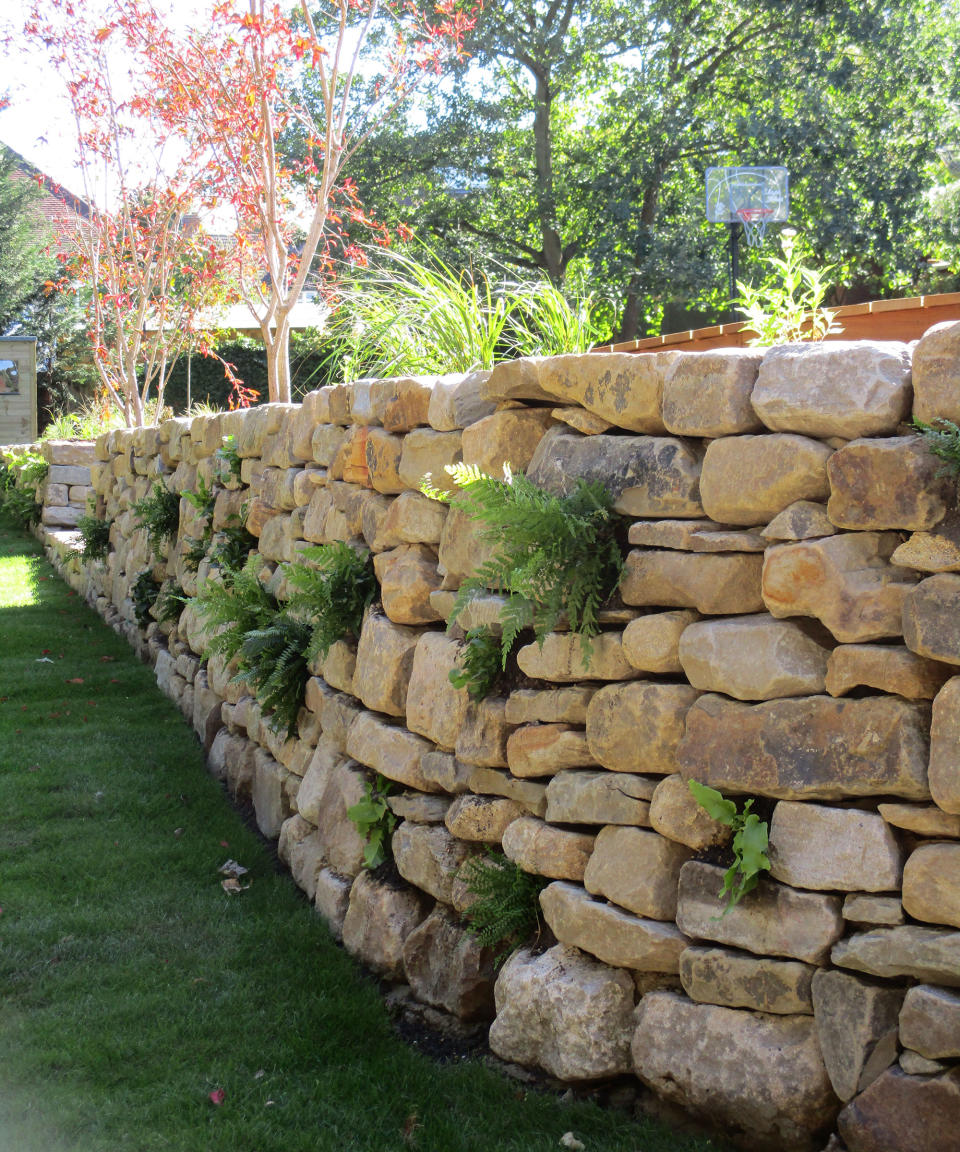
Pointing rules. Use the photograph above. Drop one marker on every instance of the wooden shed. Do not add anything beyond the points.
(18, 390)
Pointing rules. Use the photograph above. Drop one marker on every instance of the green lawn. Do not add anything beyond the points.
(132, 986)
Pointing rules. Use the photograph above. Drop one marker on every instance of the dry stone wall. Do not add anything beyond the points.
(788, 629)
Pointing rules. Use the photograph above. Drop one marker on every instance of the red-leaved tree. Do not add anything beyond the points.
(234, 90)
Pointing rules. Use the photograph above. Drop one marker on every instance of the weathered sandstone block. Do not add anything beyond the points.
(651, 643)
(772, 920)
(544, 749)
(407, 575)
(936, 374)
(564, 1012)
(750, 479)
(419, 808)
(561, 658)
(646, 475)
(342, 843)
(429, 857)
(638, 727)
(715, 584)
(435, 708)
(411, 519)
(928, 954)
(675, 813)
(385, 654)
(270, 800)
(382, 459)
(378, 921)
(753, 657)
(922, 819)
(836, 388)
(694, 536)
(445, 771)
(549, 705)
(857, 1026)
(934, 551)
(708, 393)
(463, 547)
(427, 453)
(945, 748)
(481, 818)
(803, 520)
(906, 1113)
(446, 966)
(930, 1022)
(607, 932)
(390, 750)
(891, 483)
(860, 908)
(813, 748)
(931, 884)
(638, 870)
(931, 626)
(886, 667)
(403, 402)
(761, 1077)
(483, 735)
(738, 980)
(508, 437)
(599, 798)
(458, 400)
(546, 851)
(844, 581)
(529, 794)
(812, 846)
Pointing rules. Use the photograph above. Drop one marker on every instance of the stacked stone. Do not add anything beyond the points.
(787, 618)
(67, 488)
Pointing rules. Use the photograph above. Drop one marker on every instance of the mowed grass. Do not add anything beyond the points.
(132, 986)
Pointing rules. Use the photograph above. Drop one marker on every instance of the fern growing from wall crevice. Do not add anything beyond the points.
(159, 513)
(234, 607)
(273, 662)
(506, 911)
(332, 590)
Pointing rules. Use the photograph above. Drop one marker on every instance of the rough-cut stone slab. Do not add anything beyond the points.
(427, 453)
(750, 479)
(905, 1113)
(342, 844)
(581, 420)
(481, 818)
(429, 857)
(857, 1026)
(411, 519)
(546, 851)
(544, 749)
(812, 846)
(332, 898)
(836, 388)
(930, 1022)
(890, 483)
(564, 1012)
(716, 584)
(379, 919)
(529, 794)
(599, 798)
(562, 660)
(549, 705)
(813, 748)
(844, 581)
(772, 920)
(646, 475)
(945, 748)
(462, 550)
(382, 458)
(407, 575)
(651, 643)
(459, 399)
(508, 437)
(931, 625)
(708, 393)
(675, 813)
(482, 739)
(694, 536)
(886, 667)
(418, 807)
(739, 980)
(916, 1065)
(929, 954)
(923, 819)
(936, 551)
(936, 374)
(447, 967)
(384, 663)
(804, 520)
(435, 708)
(445, 771)
(753, 657)
(860, 908)
(931, 884)
(638, 727)
(607, 932)
(760, 1077)
(390, 750)
(637, 870)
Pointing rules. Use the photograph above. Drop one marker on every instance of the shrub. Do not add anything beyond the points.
(235, 607)
(506, 911)
(228, 462)
(159, 513)
(788, 307)
(233, 544)
(170, 602)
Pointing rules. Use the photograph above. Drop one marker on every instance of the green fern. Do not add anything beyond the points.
(478, 663)
(202, 500)
(159, 513)
(273, 661)
(234, 607)
(143, 593)
(21, 506)
(228, 462)
(331, 591)
(170, 602)
(506, 911)
(558, 555)
(94, 538)
(233, 544)
(942, 439)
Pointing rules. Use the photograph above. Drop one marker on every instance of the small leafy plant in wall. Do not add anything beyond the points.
(750, 841)
(505, 912)
(374, 820)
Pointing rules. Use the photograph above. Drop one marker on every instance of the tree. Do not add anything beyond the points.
(149, 270)
(232, 91)
(25, 258)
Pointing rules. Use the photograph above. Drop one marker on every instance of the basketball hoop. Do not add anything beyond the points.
(754, 221)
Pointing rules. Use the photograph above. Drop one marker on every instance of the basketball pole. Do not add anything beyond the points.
(735, 229)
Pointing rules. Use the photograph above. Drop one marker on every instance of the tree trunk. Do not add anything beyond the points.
(543, 158)
(276, 343)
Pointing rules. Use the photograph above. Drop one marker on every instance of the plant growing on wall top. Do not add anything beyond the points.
(788, 307)
(749, 842)
(558, 556)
